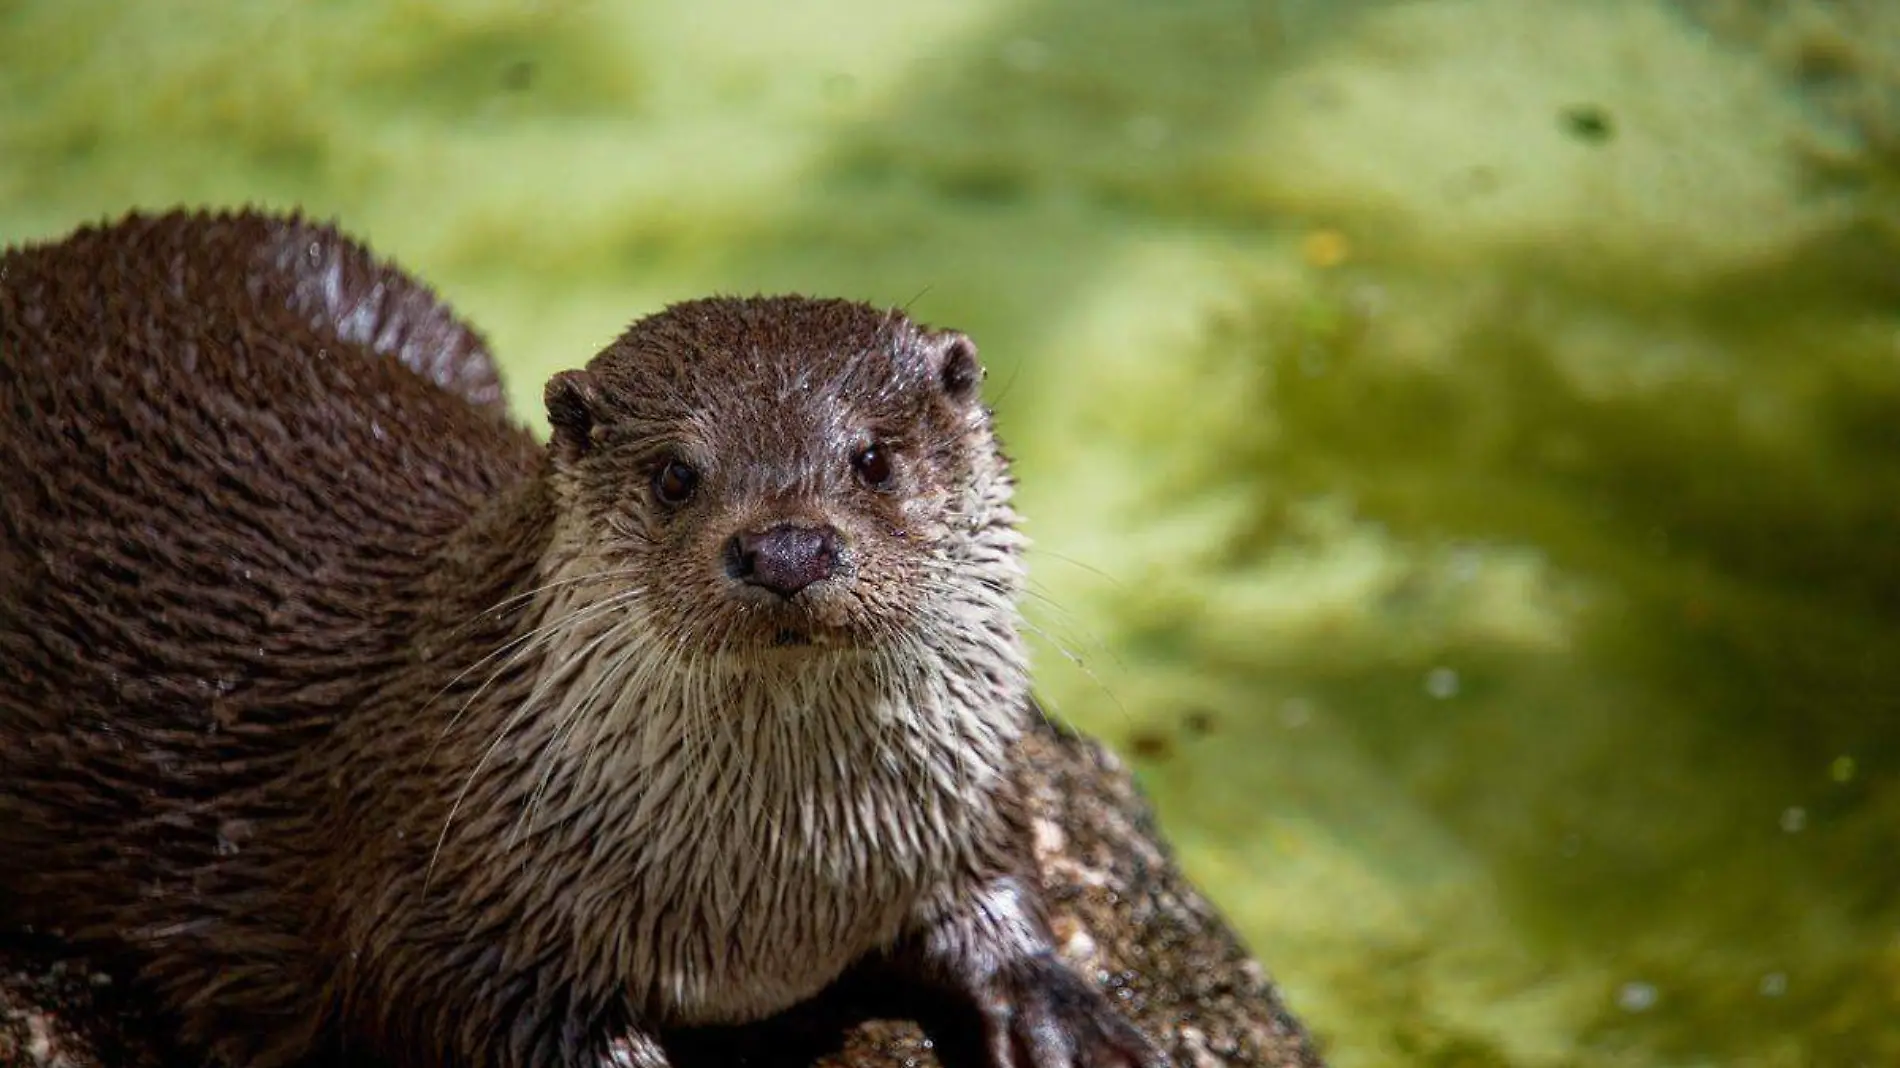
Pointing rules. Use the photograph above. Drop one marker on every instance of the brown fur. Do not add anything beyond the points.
(356, 723)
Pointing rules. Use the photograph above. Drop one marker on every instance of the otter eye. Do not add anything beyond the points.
(674, 482)
(873, 466)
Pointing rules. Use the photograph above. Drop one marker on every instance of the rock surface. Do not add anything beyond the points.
(1123, 913)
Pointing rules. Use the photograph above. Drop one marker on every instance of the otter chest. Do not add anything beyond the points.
(740, 867)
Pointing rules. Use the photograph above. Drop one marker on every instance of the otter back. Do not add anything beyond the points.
(228, 445)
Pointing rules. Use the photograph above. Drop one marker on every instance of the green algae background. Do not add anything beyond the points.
(1462, 437)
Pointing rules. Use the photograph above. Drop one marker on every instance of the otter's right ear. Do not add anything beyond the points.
(573, 400)
(954, 360)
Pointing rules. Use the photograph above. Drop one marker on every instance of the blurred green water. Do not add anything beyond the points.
(1462, 436)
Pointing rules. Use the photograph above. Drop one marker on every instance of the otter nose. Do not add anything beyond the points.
(785, 558)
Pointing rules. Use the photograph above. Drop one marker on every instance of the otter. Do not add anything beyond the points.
(357, 726)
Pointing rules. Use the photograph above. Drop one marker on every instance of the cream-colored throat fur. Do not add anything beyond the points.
(728, 833)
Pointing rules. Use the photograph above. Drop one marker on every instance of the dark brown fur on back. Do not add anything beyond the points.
(228, 460)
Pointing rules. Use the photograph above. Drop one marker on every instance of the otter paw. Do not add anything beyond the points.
(1039, 1014)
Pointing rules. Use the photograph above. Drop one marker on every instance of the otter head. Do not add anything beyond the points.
(787, 479)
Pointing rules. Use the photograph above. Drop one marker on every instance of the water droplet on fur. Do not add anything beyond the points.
(232, 834)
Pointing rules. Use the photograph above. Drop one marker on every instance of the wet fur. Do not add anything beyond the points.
(355, 722)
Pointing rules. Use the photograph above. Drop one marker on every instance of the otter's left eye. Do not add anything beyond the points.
(674, 483)
(873, 466)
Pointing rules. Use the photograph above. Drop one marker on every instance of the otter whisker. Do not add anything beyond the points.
(520, 647)
(569, 713)
(1088, 671)
(528, 705)
(1076, 631)
(1080, 565)
(568, 580)
(625, 678)
(637, 685)
(519, 641)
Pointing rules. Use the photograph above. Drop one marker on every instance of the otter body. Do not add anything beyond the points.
(356, 724)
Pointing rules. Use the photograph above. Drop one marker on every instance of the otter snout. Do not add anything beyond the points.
(784, 558)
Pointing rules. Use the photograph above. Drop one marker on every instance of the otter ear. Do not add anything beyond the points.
(953, 357)
(573, 400)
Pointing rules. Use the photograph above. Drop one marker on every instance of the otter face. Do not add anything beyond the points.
(787, 473)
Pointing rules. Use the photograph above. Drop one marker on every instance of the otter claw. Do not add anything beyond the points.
(1042, 1015)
